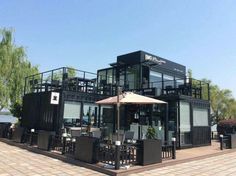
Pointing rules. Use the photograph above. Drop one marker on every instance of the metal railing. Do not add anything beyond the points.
(169, 150)
(64, 78)
(115, 155)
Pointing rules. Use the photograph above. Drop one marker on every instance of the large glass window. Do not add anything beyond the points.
(71, 115)
(109, 76)
(179, 82)
(90, 112)
(200, 117)
(102, 77)
(122, 76)
(107, 120)
(184, 116)
(132, 77)
(155, 79)
(168, 81)
(185, 126)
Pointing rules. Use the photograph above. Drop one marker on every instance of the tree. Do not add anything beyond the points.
(223, 104)
(14, 67)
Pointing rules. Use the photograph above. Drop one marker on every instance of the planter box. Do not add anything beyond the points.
(4, 129)
(17, 134)
(149, 151)
(232, 140)
(44, 138)
(86, 149)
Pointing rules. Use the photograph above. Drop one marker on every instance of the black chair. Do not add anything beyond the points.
(129, 135)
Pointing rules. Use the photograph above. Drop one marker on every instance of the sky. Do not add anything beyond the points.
(90, 34)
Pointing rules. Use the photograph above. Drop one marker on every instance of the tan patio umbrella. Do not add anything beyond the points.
(129, 97)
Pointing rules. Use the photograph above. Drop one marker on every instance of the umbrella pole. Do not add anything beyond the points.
(118, 111)
(118, 108)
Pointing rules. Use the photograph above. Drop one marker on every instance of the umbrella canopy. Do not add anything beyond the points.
(130, 97)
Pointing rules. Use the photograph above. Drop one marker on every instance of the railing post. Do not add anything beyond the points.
(117, 155)
(173, 148)
(64, 135)
(31, 136)
(221, 141)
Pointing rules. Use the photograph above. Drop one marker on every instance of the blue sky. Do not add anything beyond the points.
(89, 34)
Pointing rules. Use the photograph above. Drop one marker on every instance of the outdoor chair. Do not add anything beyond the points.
(74, 134)
(121, 131)
(129, 135)
(119, 137)
(97, 134)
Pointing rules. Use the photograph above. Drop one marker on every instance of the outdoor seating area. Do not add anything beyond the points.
(98, 150)
(110, 156)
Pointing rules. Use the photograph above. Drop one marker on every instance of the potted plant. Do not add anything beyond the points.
(149, 150)
(151, 133)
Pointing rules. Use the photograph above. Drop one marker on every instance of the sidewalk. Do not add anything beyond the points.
(22, 160)
(15, 161)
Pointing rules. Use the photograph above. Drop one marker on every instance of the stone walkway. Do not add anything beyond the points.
(15, 161)
(19, 162)
(217, 166)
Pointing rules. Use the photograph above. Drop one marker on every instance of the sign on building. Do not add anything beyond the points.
(55, 98)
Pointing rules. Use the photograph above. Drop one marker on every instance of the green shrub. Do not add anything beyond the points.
(151, 133)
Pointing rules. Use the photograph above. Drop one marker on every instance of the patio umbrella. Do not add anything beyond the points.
(129, 98)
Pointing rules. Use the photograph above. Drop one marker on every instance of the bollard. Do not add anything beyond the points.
(31, 136)
(117, 155)
(64, 135)
(221, 141)
(173, 148)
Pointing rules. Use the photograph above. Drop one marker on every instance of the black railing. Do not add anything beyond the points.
(167, 151)
(61, 79)
(30, 138)
(188, 86)
(62, 144)
(107, 154)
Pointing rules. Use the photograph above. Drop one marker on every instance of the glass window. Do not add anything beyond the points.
(132, 77)
(200, 117)
(185, 128)
(107, 120)
(102, 77)
(71, 115)
(179, 81)
(184, 116)
(168, 80)
(109, 76)
(122, 76)
(90, 114)
(155, 79)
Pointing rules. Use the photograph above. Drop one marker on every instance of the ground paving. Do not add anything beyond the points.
(16, 161)
(218, 166)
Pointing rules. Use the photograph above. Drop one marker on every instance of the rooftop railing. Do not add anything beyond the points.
(61, 79)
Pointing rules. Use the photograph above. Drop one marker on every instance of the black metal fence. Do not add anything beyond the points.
(107, 154)
(64, 145)
(167, 151)
(30, 138)
(114, 155)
